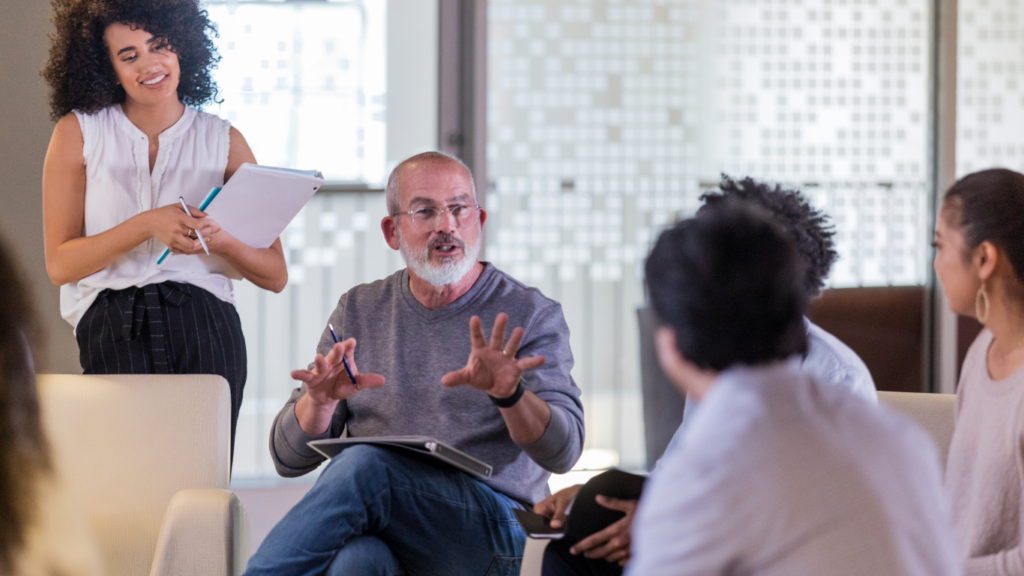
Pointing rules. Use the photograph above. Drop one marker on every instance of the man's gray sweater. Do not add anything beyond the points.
(413, 347)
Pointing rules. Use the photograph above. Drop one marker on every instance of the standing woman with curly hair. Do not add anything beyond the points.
(125, 77)
(979, 258)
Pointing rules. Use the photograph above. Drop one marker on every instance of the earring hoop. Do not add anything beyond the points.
(978, 300)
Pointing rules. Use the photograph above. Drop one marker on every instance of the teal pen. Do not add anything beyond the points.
(198, 235)
(202, 208)
(344, 359)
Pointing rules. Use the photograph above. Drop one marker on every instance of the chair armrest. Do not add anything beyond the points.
(204, 532)
(533, 557)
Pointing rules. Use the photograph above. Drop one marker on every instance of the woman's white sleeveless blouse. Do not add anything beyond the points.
(191, 161)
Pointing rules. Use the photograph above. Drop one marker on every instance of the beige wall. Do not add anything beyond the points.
(25, 129)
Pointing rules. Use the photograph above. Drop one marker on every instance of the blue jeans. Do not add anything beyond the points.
(375, 511)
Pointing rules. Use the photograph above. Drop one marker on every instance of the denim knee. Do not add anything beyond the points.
(364, 556)
(363, 465)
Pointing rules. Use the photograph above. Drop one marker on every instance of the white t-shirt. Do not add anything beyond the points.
(191, 160)
(781, 475)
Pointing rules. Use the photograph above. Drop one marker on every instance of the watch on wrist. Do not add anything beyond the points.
(511, 400)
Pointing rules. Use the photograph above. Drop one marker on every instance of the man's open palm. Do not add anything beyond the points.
(493, 366)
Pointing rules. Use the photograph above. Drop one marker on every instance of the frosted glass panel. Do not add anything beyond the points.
(990, 86)
(311, 85)
(607, 120)
(307, 84)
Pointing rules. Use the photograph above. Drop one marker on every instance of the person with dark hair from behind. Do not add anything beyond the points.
(39, 534)
(779, 473)
(979, 236)
(827, 359)
(126, 78)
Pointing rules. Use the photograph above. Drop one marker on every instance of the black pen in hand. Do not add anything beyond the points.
(344, 359)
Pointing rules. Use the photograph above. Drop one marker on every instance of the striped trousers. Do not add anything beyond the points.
(166, 328)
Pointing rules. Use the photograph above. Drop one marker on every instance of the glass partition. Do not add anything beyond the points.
(608, 120)
(345, 87)
(990, 100)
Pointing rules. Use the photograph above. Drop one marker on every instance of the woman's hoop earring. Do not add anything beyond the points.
(982, 297)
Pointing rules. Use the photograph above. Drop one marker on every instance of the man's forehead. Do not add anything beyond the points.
(438, 181)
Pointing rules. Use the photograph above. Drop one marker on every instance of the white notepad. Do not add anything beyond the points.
(259, 202)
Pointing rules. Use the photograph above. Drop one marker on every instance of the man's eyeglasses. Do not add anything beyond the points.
(429, 218)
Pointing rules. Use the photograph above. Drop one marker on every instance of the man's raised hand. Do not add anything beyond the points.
(492, 366)
(328, 383)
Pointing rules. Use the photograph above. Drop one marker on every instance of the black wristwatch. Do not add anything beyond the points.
(511, 400)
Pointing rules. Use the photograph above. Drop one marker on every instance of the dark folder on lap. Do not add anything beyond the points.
(586, 516)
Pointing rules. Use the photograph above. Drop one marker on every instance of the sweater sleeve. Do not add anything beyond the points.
(288, 441)
(558, 449)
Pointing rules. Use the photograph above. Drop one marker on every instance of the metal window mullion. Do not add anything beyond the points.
(940, 323)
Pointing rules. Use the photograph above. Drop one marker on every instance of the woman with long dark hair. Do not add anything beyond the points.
(979, 239)
(125, 77)
(39, 535)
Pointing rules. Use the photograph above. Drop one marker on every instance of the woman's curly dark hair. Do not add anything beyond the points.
(80, 73)
(810, 228)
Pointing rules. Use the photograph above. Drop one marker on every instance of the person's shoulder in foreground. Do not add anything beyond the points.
(783, 475)
(778, 474)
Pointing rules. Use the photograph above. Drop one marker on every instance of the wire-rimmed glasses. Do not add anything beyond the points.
(429, 218)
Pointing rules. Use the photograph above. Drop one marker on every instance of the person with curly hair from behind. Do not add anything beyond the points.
(827, 359)
(40, 532)
(125, 79)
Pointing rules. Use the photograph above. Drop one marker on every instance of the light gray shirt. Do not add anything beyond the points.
(828, 359)
(413, 347)
(781, 475)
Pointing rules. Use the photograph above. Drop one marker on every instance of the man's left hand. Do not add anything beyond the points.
(612, 543)
(492, 366)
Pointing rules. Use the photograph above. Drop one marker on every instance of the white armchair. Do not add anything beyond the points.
(933, 412)
(147, 461)
(533, 557)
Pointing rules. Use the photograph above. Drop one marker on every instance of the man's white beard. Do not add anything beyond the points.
(439, 275)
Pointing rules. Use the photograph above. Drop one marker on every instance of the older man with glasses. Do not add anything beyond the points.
(508, 402)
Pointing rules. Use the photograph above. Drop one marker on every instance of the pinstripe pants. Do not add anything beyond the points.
(166, 328)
